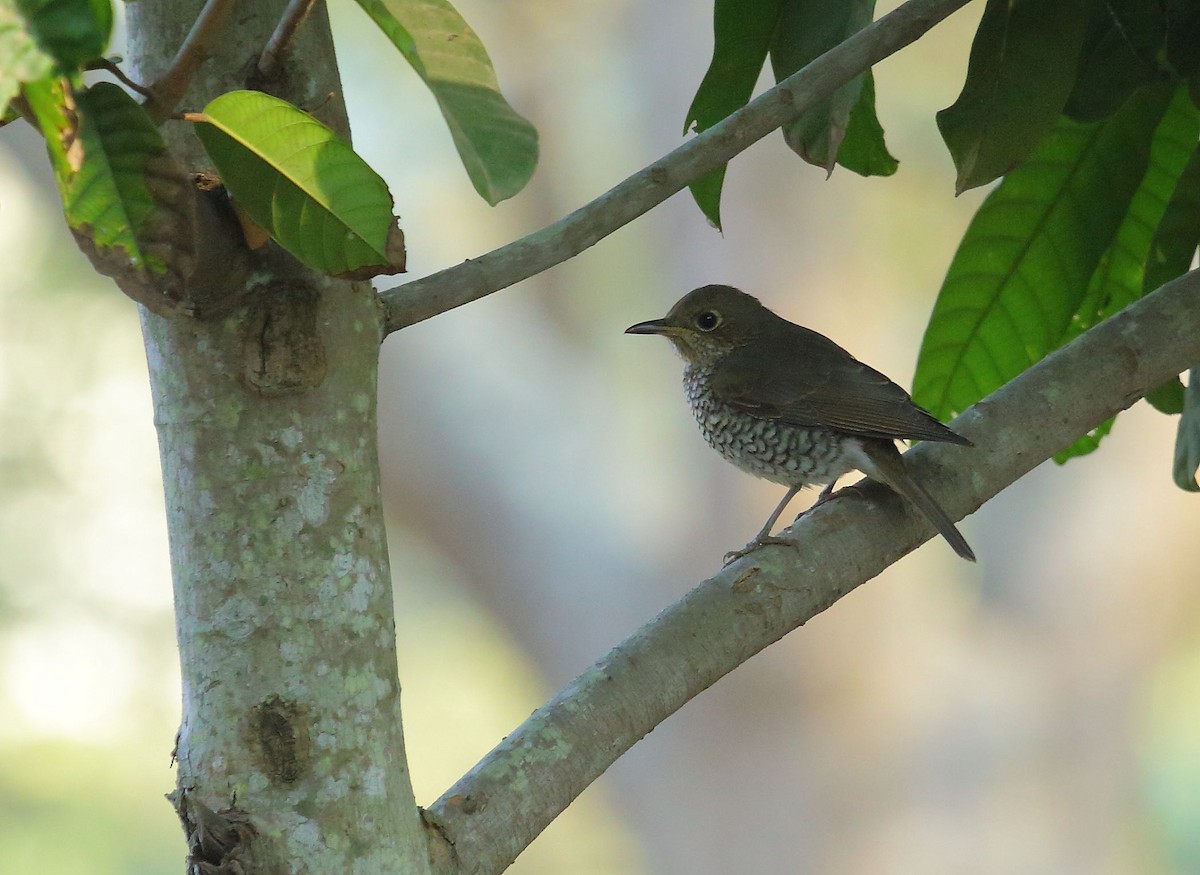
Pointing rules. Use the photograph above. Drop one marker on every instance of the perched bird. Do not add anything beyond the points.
(791, 406)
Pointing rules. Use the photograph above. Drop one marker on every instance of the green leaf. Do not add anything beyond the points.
(1187, 438)
(1183, 36)
(1119, 279)
(1087, 443)
(126, 201)
(498, 147)
(1167, 398)
(21, 58)
(863, 151)
(1026, 260)
(1178, 234)
(1119, 54)
(741, 36)
(308, 189)
(806, 30)
(1020, 73)
(72, 32)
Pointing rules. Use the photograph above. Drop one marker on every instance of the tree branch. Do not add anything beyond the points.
(279, 46)
(420, 299)
(110, 67)
(501, 805)
(197, 46)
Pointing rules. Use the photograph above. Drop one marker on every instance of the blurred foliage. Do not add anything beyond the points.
(68, 809)
(916, 723)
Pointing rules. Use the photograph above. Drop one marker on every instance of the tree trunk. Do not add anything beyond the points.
(291, 750)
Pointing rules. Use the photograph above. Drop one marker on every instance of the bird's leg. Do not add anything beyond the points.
(764, 534)
(827, 494)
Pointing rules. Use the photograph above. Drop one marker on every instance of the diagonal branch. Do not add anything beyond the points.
(197, 46)
(497, 808)
(421, 299)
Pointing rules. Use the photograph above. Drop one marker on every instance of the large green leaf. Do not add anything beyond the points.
(308, 189)
(1025, 263)
(1120, 49)
(125, 199)
(1119, 280)
(1178, 234)
(498, 147)
(1171, 254)
(742, 31)
(1020, 73)
(806, 30)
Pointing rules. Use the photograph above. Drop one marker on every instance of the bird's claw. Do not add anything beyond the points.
(761, 541)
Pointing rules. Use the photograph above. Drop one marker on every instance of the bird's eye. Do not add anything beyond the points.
(708, 320)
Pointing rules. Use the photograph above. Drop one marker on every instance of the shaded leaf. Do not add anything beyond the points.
(125, 199)
(741, 36)
(1026, 260)
(1167, 398)
(498, 147)
(1021, 71)
(1178, 234)
(1183, 36)
(1119, 54)
(864, 151)
(310, 191)
(1120, 277)
(805, 31)
(1187, 438)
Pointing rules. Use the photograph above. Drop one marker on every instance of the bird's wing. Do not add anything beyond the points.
(814, 383)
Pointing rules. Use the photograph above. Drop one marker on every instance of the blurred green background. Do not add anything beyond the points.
(548, 493)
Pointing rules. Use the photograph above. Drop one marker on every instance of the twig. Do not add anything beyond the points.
(109, 67)
(420, 299)
(197, 46)
(279, 46)
(502, 804)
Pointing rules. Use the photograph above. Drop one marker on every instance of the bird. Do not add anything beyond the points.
(789, 405)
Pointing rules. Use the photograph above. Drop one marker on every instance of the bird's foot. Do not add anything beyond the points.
(760, 541)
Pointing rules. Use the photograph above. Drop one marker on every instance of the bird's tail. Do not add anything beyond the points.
(889, 468)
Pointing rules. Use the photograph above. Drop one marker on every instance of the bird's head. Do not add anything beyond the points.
(708, 323)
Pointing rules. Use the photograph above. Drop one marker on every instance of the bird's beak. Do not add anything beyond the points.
(654, 326)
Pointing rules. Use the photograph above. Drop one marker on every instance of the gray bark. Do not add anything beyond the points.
(291, 752)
